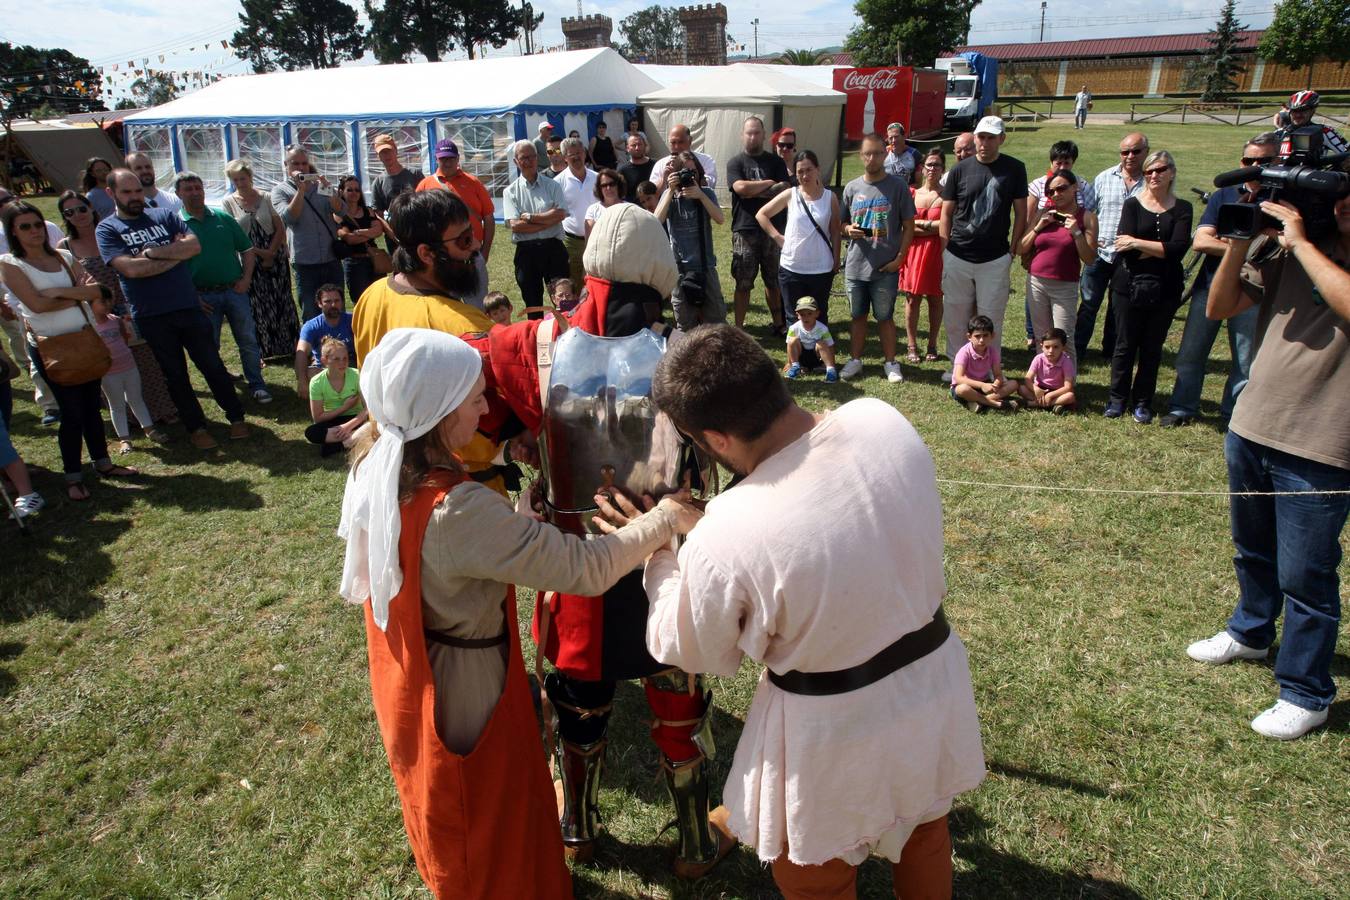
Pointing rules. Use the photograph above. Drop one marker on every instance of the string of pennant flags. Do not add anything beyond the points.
(117, 75)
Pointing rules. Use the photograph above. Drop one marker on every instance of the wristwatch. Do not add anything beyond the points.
(525, 217)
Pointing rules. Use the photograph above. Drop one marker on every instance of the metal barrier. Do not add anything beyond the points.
(1227, 113)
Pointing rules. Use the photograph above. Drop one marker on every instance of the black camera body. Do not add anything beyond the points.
(1311, 182)
(687, 177)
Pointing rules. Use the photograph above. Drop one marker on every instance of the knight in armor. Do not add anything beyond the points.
(588, 396)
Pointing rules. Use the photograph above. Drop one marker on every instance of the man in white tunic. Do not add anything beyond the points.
(863, 729)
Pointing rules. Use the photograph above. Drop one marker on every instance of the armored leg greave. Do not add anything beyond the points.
(583, 709)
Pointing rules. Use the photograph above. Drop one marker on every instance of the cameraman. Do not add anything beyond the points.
(688, 208)
(1289, 433)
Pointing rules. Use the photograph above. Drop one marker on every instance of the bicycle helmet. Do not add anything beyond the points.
(1304, 100)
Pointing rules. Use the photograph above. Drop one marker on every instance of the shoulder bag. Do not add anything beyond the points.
(75, 358)
(341, 249)
(816, 225)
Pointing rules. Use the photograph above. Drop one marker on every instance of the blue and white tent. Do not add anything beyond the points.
(483, 104)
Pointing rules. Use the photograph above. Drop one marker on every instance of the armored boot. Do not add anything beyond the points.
(683, 731)
(578, 792)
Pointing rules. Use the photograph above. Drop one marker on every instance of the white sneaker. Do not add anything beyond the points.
(1284, 721)
(28, 504)
(851, 369)
(946, 377)
(1222, 649)
(892, 370)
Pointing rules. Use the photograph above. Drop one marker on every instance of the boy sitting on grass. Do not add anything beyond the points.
(977, 371)
(809, 342)
(1050, 379)
(498, 307)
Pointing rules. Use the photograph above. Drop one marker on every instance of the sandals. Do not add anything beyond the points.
(117, 472)
(157, 436)
(931, 356)
(76, 491)
(123, 448)
(913, 356)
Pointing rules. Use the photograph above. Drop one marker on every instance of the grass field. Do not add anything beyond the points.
(184, 709)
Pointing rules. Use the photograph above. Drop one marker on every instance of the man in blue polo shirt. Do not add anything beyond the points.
(332, 321)
(147, 249)
(222, 273)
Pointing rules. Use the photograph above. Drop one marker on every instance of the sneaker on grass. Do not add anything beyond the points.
(893, 373)
(831, 375)
(851, 369)
(793, 371)
(1222, 649)
(1285, 721)
(28, 504)
(261, 396)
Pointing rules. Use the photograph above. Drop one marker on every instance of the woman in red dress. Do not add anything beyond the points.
(434, 556)
(921, 273)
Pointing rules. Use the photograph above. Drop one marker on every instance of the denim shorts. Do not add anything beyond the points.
(876, 293)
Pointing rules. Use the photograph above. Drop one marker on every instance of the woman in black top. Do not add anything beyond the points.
(1154, 235)
(602, 149)
(358, 227)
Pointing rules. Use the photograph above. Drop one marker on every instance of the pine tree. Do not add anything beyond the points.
(1222, 66)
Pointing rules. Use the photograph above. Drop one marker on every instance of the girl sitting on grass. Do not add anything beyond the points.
(334, 400)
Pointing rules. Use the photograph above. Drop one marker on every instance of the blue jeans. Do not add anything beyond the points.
(235, 307)
(1196, 342)
(189, 330)
(1288, 549)
(1093, 284)
(309, 277)
(360, 272)
(876, 293)
(1080, 117)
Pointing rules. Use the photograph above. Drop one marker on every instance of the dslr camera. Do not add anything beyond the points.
(687, 177)
(1305, 177)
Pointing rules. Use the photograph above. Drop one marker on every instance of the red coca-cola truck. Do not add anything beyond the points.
(911, 96)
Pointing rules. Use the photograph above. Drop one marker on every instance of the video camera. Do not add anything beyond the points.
(1303, 176)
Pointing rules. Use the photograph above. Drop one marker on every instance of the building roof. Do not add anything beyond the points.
(1152, 45)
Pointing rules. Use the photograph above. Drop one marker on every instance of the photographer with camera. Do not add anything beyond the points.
(1198, 338)
(1289, 433)
(687, 208)
(307, 203)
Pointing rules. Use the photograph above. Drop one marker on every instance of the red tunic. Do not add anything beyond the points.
(483, 825)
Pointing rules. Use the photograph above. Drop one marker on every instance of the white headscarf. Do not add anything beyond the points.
(412, 380)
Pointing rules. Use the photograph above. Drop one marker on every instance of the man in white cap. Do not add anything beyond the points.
(541, 141)
(982, 194)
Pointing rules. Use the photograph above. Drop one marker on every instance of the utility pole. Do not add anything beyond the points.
(755, 22)
(1042, 21)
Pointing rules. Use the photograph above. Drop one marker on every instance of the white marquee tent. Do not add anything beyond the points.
(484, 105)
(715, 105)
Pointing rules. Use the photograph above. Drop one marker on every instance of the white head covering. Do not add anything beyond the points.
(412, 380)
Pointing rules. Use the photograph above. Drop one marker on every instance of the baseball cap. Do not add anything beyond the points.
(990, 125)
(896, 126)
(807, 303)
(446, 148)
(544, 126)
(385, 140)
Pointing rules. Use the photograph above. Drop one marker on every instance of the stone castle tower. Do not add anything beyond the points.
(586, 32)
(705, 34)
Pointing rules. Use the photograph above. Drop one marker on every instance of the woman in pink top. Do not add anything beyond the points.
(1063, 238)
(122, 382)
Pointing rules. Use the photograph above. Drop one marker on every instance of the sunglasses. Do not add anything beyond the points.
(29, 226)
(1257, 160)
(1131, 151)
(932, 165)
(782, 146)
(1158, 172)
(1056, 190)
(605, 184)
(71, 211)
(464, 240)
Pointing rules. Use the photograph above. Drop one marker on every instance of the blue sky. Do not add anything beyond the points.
(106, 32)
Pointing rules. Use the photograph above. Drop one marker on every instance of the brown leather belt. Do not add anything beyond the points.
(909, 648)
(446, 640)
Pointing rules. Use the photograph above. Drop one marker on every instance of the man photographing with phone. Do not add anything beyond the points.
(1289, 442)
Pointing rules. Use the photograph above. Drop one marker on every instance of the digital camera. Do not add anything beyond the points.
(1303, 176)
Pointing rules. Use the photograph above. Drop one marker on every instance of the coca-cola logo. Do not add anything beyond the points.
(880, 80)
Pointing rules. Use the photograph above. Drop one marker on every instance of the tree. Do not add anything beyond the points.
(1223, 67)
(296, 34)
(1304, 30)
(804, 58)
(31, 77)
(400, 28)
(125, 103)
(153, 88)
(654, 31)
(921, 29)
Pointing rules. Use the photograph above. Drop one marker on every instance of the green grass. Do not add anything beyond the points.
(184, 708)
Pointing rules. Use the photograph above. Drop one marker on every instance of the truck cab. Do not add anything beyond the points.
(967, 100)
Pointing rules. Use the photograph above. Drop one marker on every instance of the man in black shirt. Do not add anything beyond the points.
(755, 176)
(981, 194)
(638, 168)
(396, 179)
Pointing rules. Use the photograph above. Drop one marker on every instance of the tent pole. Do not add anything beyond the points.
(839, 151)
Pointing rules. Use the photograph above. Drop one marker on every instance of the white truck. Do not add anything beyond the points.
(967, 96)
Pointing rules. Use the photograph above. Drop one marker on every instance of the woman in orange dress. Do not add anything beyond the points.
(921, 273)
(434, 557)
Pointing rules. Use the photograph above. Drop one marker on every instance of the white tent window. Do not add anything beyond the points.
(204, 153)
(260, 147)
(412, 148)
(156, 143)
(484, 148)
(328, 149)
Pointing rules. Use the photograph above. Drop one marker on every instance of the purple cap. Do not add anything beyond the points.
(446, 148)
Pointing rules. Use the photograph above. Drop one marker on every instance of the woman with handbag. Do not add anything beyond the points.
(1154, 235)
(53, 289)
(688, 208)
(269, 293)
(811, 241)
(358, 228)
